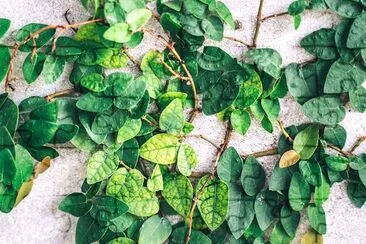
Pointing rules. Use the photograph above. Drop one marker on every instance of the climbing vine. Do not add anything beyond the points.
(141, 169)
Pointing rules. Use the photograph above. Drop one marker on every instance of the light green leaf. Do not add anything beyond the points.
(306, 141)
(178, 192)
(24, 166)
(119, 33)
(137, 18)
(93, 82)
(337, 163)
(213, 28)
(240, 121)
(155, 230)
(187, 159)
(250, 91)
(358, 99)
(129, 130)
(100, 166)
(153, 85)
(172, 117)
(279, 235)
(155, 183)
(225, 14)
(160, 149)
(317, 219)
(311, 172)
(133, 93)
(321, 192)
(129, 5)
(213, 202)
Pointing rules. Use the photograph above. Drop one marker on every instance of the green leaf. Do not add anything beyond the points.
(52, 68)
(109, 121)
(321, 192)
(75, 204)
(250, 91)
(172, 117)
(129, 5)
(321, 44)
(335, 135)
(196, 8)
(178, 192)
(119, 33)
(4, 26)
(326, 110)
(130, 150)
(345, 8)
(153, 85)
(111, 58)
(24, 33)
(117, 83)
(214, 58)
(113, 12)
(155, 230)
(265, 208)
(131, 95)
(23, 166)
(187, 159)
(100, 166)
(91, 103)
(137, 18)
(4, 61)
(179, 236)
(253, 176)
(129, 130)
(337, 163)
(7, 167)
(93, 82)
(297, 21)
(297, 7)
(106, 208)
(342, 31)
(241, 210)
(230, 166)
(358, 99)
(311, 172)
(358, 163)
(6, 140)
(268, 60)
(344, 77)
(155, 183)
(317, 219)
(225, 14)
(7, 198)
(37, 132)
(279, 235)
(213, 202)
(33, 66)
(306, 141)
(127, 187)
(88, 230)
(271, 108)
(357, 37)
(356, 193)
(66, 46)
(47, 112)
(290, 220)
(299, 192)
(90, 190)
(9, 113)
(213, 28)
(240, 121)
(160, 149)
(122, 240)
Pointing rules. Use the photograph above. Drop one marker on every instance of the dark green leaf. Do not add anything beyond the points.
(317, 219)
(230, 166)
(335, 135)
(357, 37)
(265, 208)
(268, 60)
(75, 204)
(290, 220)
(253, 176)
(4, 61)
(299, 193)
(4, 26)
(33, 66)
(321, 43)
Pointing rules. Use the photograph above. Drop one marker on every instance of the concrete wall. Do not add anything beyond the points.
(37, 220)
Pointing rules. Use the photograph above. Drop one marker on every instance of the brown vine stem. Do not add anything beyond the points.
(238, 41)
(258, 23)
(268, 152)
(132, 59)
(33, 36)
(274, 16)
(210, 177)
(170, 45)
(335, 148)
(357, 144)
(205, 139)
(59, 94)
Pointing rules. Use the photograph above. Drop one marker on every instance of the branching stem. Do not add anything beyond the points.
(274, 16)
(238, 41)
(357, 144)
(59, 94)
(258, 23)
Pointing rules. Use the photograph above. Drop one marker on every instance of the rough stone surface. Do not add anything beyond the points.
(37, 220)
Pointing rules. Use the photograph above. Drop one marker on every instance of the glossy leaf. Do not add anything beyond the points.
(129, 130)
(187, 159)
(155, 230)
(75, 204)
(306, 141)
(100, 166)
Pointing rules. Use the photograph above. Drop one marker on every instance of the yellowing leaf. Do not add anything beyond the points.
(160, 149)
(289, 158)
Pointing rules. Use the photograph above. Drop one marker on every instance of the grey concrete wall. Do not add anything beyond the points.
(37, 220)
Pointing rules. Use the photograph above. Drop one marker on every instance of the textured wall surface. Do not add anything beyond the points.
(37, 220)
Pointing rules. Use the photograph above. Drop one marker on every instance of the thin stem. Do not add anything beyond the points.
(357, 144)
(284, 132)
(210, 177)
(274, 16)
(59, 94)
(132, 59)
(335, 148)
(205, 139)
(238, 41)
(268, 152)
(174, 73)
(258, 23)
(33, 36)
